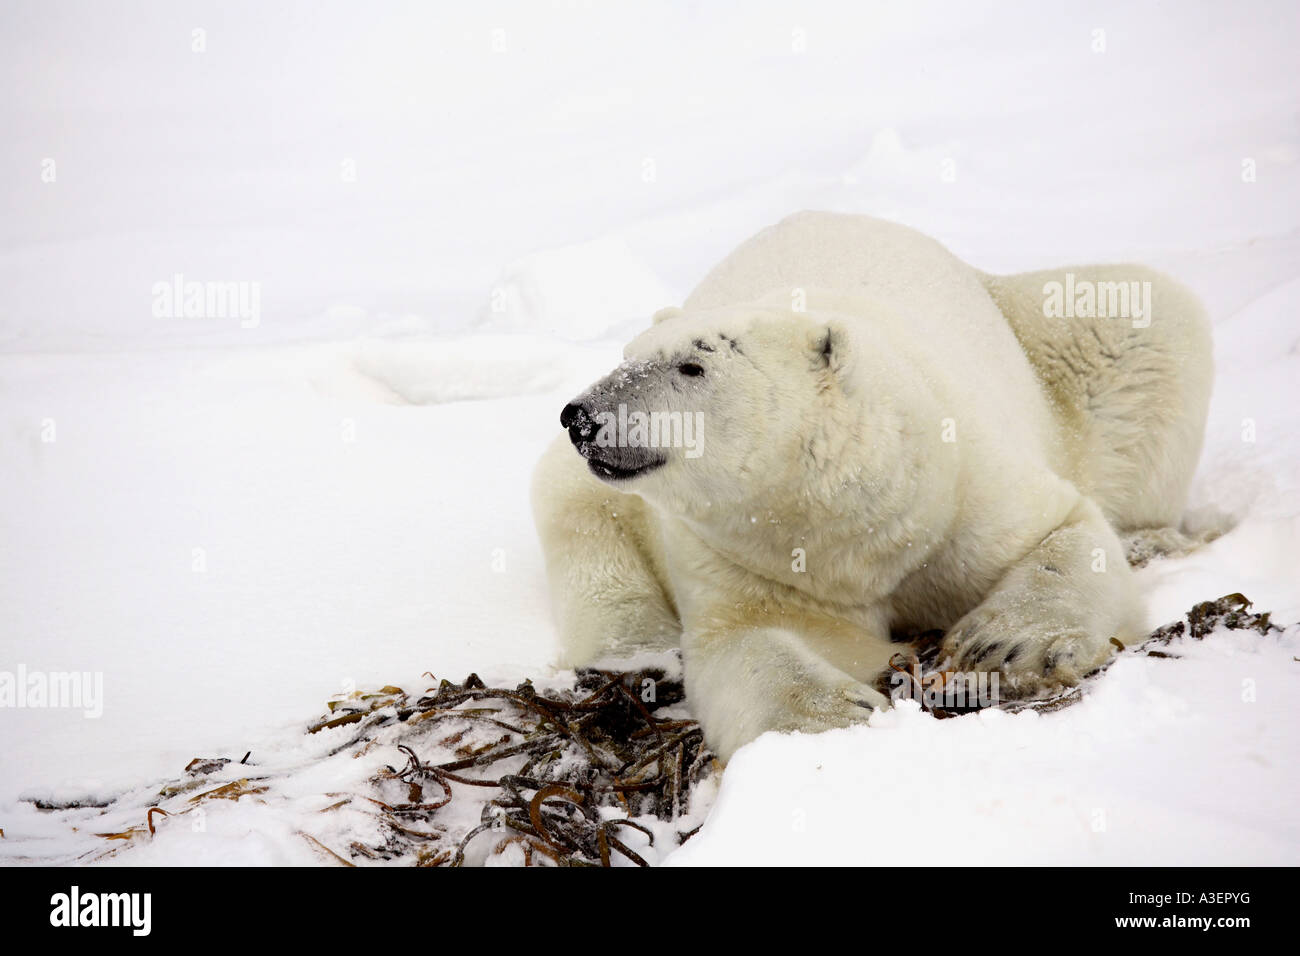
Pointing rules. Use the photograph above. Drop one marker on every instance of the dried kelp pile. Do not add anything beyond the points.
(1231, 611)
(922, 665)
(567, 770)
(594, 772)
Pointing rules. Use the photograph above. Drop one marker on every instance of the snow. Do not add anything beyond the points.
(353, 469)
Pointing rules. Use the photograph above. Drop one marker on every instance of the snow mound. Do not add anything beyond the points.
(578, 292)
(445, 370)
(890, 163)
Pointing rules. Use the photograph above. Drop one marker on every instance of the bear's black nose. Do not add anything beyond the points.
(578, 420)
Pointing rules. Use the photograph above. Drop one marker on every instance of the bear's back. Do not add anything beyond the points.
(834, 252)
(931, 304)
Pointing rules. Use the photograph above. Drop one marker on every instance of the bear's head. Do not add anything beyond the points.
(713, 404)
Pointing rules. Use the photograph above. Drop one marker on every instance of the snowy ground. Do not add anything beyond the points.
(234, 523)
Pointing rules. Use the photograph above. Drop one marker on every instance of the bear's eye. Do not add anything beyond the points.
(690, 368)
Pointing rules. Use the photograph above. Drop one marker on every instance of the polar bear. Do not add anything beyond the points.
(860, 435)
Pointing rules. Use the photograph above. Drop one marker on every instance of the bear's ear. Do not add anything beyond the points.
(671, 312)
(830, 348)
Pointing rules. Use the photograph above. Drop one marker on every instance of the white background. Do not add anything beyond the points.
(587, 163)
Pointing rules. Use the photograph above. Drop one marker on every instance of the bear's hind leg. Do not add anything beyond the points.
(1129, 377)
(1146, 544)
(601, 551)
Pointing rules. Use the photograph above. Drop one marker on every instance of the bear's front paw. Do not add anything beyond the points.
(812, 708)
(801, 706)
(1034, 658)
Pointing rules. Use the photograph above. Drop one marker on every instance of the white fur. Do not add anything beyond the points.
(943, 454)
